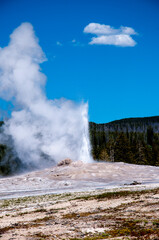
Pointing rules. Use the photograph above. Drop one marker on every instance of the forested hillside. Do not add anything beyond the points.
(133, 140)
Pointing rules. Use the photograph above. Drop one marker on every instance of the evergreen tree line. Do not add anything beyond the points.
(125, 143)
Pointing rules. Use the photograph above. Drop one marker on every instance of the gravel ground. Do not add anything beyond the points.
(87, 215)
(81, 201)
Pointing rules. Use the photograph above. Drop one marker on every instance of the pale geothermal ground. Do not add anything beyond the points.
(81, 201)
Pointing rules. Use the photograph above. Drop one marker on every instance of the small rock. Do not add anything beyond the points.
(48, 224)
(135, 183)
(64, 162)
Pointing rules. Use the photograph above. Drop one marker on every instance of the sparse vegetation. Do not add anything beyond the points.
(116, 194)
(120, 214)
(129, 228)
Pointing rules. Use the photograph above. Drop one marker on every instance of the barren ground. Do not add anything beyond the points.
(117, 211)
(95, 215)
(77, 177)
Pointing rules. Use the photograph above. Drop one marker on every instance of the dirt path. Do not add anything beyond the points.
(88, 215)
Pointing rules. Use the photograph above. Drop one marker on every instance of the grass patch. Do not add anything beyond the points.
(17, 226)
(116, 194)
(44, 219)
(40, 236)
(35, 223)
(151, 204)
(33, 199)
(156, 223)
(126, 228)
(39, 210)
(77, 215)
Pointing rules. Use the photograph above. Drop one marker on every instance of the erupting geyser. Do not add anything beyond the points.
(40, 129)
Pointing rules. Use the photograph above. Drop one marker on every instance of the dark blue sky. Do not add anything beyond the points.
(118, 82)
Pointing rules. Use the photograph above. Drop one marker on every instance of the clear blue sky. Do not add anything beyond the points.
(118, 82)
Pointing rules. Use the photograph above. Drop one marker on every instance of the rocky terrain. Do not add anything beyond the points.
(76, 201)
(88, 215)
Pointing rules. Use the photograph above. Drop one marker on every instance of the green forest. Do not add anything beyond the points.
(133, 140)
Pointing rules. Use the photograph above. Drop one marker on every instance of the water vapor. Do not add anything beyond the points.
(41, 129)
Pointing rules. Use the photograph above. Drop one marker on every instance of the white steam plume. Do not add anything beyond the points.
(57, 129)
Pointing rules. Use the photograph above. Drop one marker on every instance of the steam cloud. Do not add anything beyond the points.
(57, 129)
